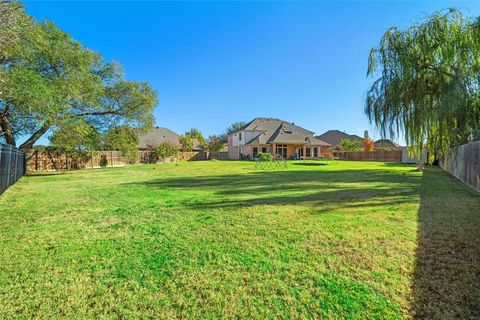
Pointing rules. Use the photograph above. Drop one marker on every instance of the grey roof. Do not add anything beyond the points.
(159, 135)
(280, 132)
(386, 143)
(335, 137)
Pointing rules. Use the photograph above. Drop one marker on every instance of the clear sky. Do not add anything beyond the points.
(215, 63)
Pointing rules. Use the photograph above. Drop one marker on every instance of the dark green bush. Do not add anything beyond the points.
(103, 161)
(265, 156)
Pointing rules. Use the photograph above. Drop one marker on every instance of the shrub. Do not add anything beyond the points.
(150, 155)
(326, 153)
(368, 144)
(103, 161)
(166, 150)
(265, 156)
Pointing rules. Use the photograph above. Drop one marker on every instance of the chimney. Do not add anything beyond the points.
(365, 135)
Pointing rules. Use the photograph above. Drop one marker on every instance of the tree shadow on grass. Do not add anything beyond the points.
(446, 282)
(324, 190)
(446, 279)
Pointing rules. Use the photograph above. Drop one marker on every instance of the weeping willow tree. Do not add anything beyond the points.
(427, 82)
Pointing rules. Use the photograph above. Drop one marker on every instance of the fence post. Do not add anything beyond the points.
(36, 160)
(1, 170)
(9, 159)
(24, 163)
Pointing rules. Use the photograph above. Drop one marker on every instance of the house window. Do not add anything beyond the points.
(240, 136)
(308, 153)
(255, 151)
(315, 152)
(281, 149)
(264, 149)
(300, 152)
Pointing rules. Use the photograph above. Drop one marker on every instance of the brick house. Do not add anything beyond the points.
(275, 136)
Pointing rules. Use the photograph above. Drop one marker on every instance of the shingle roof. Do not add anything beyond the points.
(335, 137)
(386, 143)
(159, 135)
(280, 132)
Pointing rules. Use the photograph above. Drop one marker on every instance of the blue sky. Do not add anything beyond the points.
(215, 63)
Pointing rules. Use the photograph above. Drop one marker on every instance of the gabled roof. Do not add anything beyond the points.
(335, 137)
(159, 135)
(273, 130)
(386, 143)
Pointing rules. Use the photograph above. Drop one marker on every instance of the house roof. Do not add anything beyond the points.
(159, 135)
(386, 143)
(277, 131)
(335, 137)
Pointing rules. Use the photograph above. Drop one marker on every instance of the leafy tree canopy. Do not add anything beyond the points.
(215, 143)
(51, 81)
(197, 135)
(186, 142)
(76, 136)
(12, 21)
(427, 83)
(125, 139)
(351, 145)
(232, 128)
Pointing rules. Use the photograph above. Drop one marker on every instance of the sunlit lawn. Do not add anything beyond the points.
(222, 240)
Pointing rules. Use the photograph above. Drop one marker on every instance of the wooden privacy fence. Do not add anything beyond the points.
(12, 166)
(377, 155)
(58, 161)
(37, 160)
(464, 163)
(220, 155)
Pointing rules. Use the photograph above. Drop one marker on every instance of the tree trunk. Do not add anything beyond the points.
(29, 143)
(419, 166)
(7, 130)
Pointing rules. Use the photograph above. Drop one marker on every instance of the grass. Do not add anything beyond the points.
(352, 240)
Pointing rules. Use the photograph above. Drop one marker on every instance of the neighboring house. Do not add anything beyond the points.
(387, 144)
(274, 136)
(335, 137)
(159, 135)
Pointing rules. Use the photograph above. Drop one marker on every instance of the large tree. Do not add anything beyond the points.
(427, 85)
(197, 135)
(51, 80)
(215, 143)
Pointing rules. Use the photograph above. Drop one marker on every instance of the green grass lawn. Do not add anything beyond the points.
(199, 240)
